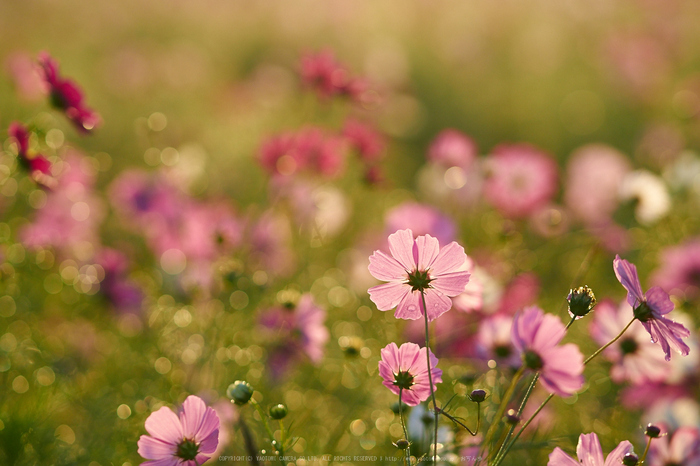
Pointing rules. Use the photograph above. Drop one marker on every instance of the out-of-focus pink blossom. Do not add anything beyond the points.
(451, 148)
(325, 75)
(590, 453)
(522, 291)
(269, 240)
(67, 96)
(521, 179)
(185, 440)
(27, 78)
(650, 309)
(123, 293)
(679, 272)
(405, 370)
(422, 219)
(417, 267)
(536, 336)
(593, 177)
(365, 139)
(634, 357)
(494, 340)
(682, 447)
(472, 298)
(37, 165)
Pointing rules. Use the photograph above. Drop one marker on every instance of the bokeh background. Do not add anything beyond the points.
(192, 90)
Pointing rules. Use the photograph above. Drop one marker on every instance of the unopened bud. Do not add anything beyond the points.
(240, 392)
(630, 459)
(478, 395)
(278, 412)
(512, 417)
(652, 431)
(402, 444)
(581, 301)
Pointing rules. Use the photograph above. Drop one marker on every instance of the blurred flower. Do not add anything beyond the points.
(650, 309)
(494, 340)
(326, 76)
(365, 139)
(67, 96)
(269, 240)
(451, 148)
(682, 448)
(417, 267)
(521, 178)
(472, 298)
(521, 291)
(536, 336)
(299, 326)
(590, 453)
(24, 73)
(680, 269)
(37, 165)
(650, 194)
(187, 440)
(634, 357)
(422, 219)
(123, 293)
(405, 369)
(594, 175)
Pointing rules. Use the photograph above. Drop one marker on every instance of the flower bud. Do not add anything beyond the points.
(395, 407)
(652, 431)
(278, 411)
(402, 444)
(240, 392)
(581, 301)
(512, 417)
(630, 459)
(478, 395)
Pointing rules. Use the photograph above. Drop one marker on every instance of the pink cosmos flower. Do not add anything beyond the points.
(328, 77)
(494, 340)
(590, 453)
(634, 357)
(680, 269)
(682, 448)
(522, 179)
(365, 139)
(536, 336)
(405, 369)
(650, 307)
(452, 148)
(187, 440)
(415, 267)
(37, 165)
(67, 96)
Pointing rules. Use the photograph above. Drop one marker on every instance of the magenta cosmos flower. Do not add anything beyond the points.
(681, 448)
(406, 368)
(536, 336)
(187, 440)
(590, 453)
(415, 267)
(650, 307)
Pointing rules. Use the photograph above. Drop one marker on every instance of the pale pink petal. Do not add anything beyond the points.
(192, 415)
(410, 307)
(401, 247)
(525, 325)
(452, 283)
(589, 451)
(209, 443)
(384, 267)
(210, 424)
(659, 301)
(668, 334)
(389, 295)
(428, 249)
(451, 258)
(615, 457)
(685, 444)
(409, 355)
(155, 449)
(562, 369)
(559, 458)
(626, 273)
(172, 461)
(437, 303)
(390, 357)
(165, 425)
(549, 333)
(201, 459)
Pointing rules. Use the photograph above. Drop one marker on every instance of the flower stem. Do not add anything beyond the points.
(248, 441)
(263, 416)
(407, 451)
(502, 407)
(527, 423)
(430, 373)
(646, 450)
(600, 350)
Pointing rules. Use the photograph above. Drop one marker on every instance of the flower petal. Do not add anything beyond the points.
(626, 273)
(559, 458)
(437, 303)
(192, 415)
(389, 295)
(385, 267)
(156, 449)
(401, 247)
(427, 248)
(668, 334)
(452, 283)
(410, 307)
(165, 425)
(451, 259)
(685, 444)
(615, 457)
(659, 301)
(589, 451)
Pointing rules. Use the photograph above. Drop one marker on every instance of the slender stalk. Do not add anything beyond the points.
(248, 441)
(502, 407)
(460, 423)
(527, 423)
(646, 450)
(600, 350)
(407, 451)
(430, 373)
(530, 388)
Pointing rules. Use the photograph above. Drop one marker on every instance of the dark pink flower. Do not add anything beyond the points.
(415, 267)
(122, 292)
(536, 336)
(67, 96)
(405, 369)
(680, 269)
(329, 78)
(590, 453)
(680, 448)
(365, 139)
(634, 357)
(37, 165)
(452, 148)
(650, 307)
(521, 179)
(187, 440)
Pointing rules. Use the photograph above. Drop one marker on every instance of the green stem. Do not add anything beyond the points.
(248, 441)
(430, 374)
(502, 407)
(278, 448)
(530, 388)
(646, 450)
(407, 451)
(600, 350)
(510, 444)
